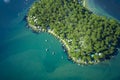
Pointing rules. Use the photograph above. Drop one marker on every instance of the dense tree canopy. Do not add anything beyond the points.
(91, 38)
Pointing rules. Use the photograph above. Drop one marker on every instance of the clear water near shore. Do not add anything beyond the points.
(23, 54)
(107, 8)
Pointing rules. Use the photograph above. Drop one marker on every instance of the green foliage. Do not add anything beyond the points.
(89, 33)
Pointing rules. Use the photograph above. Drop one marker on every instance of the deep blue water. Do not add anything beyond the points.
(23, 53)
(109, 8)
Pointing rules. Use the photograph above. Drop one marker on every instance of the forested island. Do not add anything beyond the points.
(87, 37)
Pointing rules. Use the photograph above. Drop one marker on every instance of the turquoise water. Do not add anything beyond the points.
(23, 54)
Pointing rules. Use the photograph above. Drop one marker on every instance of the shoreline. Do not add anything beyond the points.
(34, 28)
(51, 32)
(71, 48)
(66, 47)
(98, 10)
(64, 43)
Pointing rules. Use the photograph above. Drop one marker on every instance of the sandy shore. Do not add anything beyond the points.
(63, 41)
(84, 3)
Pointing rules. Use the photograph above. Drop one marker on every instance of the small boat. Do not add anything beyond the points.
(64, 50)
(61, 57)
(46, 50)
(53, 53)
(46, 40)
(78, 64)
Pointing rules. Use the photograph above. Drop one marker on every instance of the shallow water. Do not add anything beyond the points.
(109, 8)
(23, 54)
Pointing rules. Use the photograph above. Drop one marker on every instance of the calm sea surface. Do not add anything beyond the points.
(109, 8)
(23, 54)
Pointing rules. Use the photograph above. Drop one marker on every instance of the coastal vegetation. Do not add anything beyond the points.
(89, 38)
